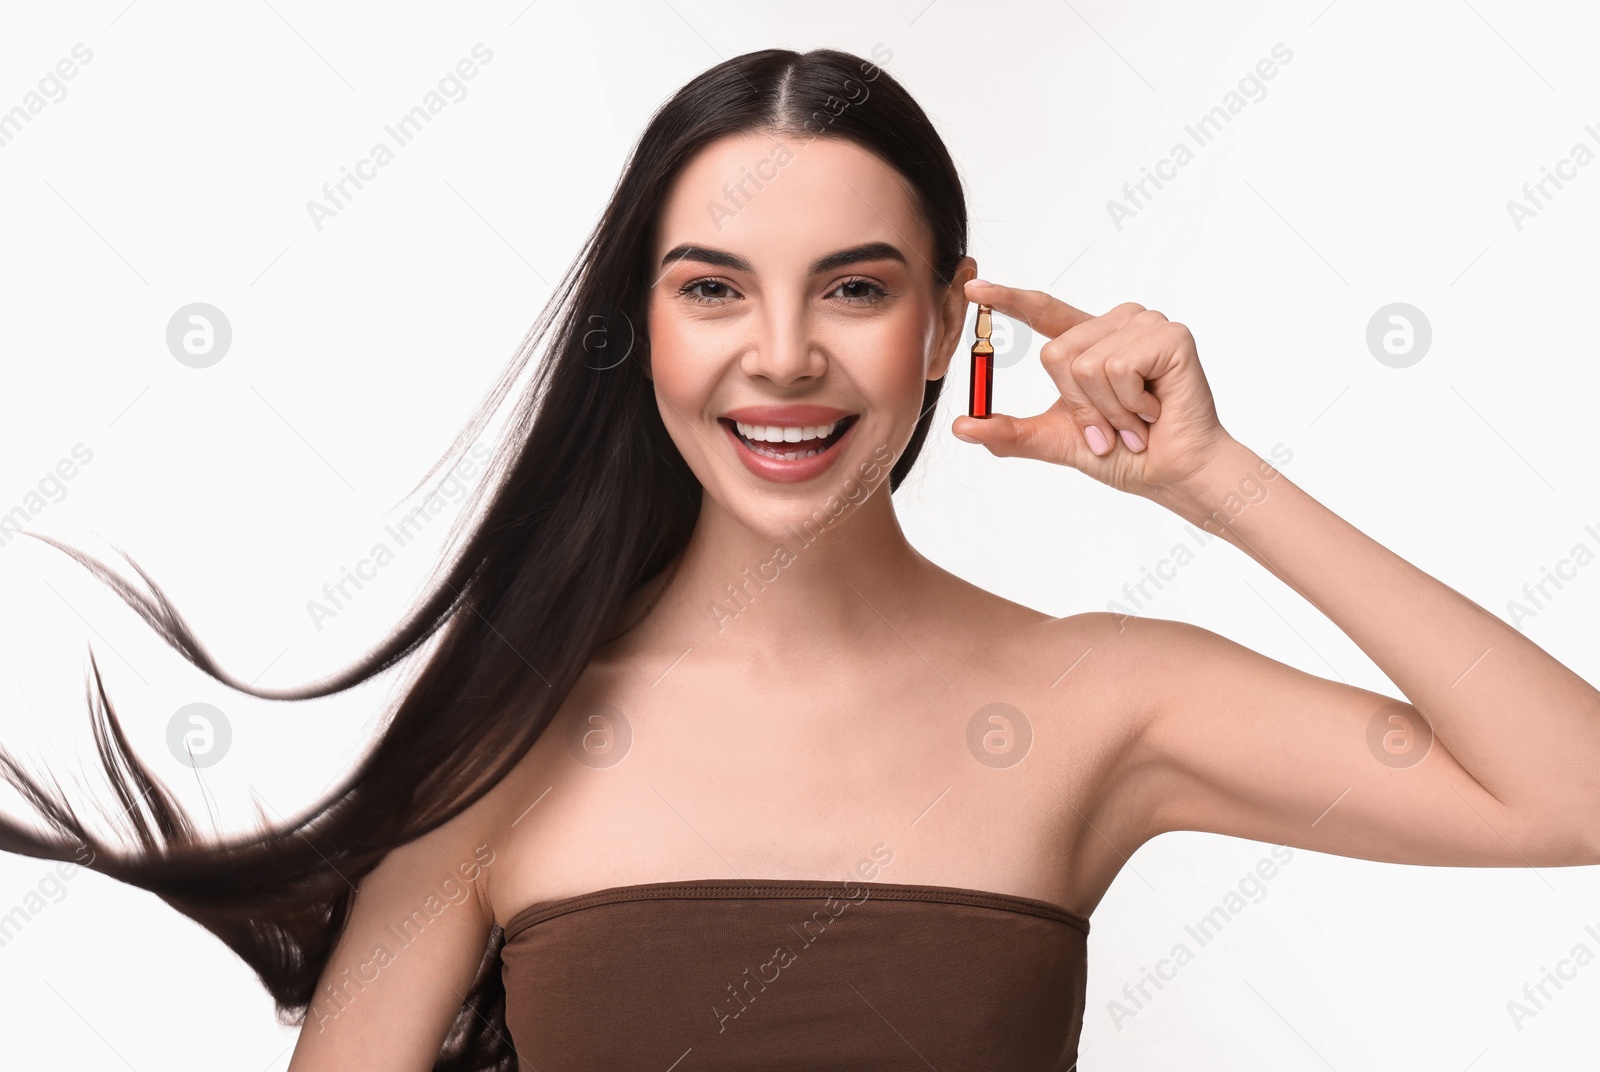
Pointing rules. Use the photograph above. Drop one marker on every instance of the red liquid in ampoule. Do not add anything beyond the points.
(980, 397)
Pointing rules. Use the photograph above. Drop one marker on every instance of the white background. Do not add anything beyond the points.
(1376, 169)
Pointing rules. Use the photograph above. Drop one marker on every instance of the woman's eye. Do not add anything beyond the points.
(860, 291)
(714, 293)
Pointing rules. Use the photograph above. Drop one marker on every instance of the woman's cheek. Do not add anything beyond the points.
(900, 364)
(676, 387)
(669, 343)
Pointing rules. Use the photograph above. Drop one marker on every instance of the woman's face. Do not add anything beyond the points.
(796, 298)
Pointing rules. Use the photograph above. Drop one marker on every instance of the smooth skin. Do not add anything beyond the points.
(826, 710)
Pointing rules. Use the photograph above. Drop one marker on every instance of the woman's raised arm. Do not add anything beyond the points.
(1489, 760)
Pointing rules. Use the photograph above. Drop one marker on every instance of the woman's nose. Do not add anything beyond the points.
(785, 351)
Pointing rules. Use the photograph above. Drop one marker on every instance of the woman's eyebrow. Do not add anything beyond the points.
(867, 251)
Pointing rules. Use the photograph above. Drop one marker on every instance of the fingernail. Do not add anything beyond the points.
(1135, 444)
(1096, 439)
(967, 438)
(980, 282)
(1146, 418)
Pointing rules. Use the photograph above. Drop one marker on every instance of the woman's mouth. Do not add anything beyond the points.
(788, 453)
(788, 443)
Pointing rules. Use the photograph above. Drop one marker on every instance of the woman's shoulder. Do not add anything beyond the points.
(1094, 654)
(975, 610)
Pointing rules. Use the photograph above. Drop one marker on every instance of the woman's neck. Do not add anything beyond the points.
(806, 581)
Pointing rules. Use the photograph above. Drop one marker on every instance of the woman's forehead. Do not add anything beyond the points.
(781, 201)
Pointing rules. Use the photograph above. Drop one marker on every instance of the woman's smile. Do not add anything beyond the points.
(788, 443)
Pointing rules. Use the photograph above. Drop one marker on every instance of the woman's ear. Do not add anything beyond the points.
(952, 317)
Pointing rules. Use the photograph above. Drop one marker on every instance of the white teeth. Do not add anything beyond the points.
(772, 433)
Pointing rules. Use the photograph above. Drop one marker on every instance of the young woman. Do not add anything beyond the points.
(708, 767)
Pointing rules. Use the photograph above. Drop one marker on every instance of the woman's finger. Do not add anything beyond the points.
(1057, 357)
(1076, 340)
(1090, 373)
(1113, 371)
(1047, 437)
(1128, 373)
(1042, 312)
(1062, 359)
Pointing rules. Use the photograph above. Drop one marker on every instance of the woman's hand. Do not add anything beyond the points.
(1130, 374)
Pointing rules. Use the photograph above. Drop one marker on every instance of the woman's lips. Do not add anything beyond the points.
(784, 470)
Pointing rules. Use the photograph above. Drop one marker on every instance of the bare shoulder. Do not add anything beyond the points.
(1115, 675)
(1118, 651)
(1089, 668)
(1087, 675)
(430, 891)
(464, 846)
(1100, 647)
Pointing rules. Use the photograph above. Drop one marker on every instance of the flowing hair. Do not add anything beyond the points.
(587, 499)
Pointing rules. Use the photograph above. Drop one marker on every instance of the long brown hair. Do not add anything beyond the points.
(586, 499)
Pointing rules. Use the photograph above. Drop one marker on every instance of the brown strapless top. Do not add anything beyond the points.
(794, 974)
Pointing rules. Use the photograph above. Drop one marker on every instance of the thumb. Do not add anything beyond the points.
(1044, 438)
